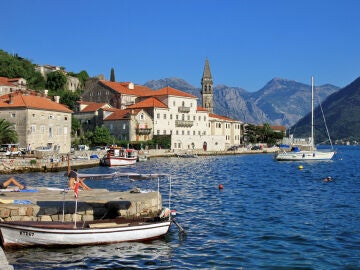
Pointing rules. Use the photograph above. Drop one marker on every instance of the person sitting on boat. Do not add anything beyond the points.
(4, 184)
(73, 178)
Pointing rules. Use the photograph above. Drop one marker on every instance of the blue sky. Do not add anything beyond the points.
(247, 42)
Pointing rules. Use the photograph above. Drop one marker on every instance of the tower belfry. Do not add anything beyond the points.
(207, 88)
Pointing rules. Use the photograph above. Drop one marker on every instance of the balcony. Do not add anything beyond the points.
(183, 109)
(183, 123)
(143, 131)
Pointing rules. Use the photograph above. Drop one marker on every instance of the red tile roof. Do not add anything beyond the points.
(201, 109)
(93, 106)
(221, 117)
(5, 81)
(123, 88)
(119, 114)
(32, 101)
(169, 91)
(148, 103)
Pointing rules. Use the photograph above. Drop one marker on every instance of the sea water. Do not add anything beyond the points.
(269, 215)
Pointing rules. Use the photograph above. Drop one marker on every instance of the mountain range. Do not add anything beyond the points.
(279, 102)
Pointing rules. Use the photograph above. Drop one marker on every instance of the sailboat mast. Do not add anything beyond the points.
(312, 111)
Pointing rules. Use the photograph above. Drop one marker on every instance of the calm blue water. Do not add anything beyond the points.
(269, 215)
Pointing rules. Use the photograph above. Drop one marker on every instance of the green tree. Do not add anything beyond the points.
(112, 75)
(75, 125)
(13, 66)
(83, 76)
(36, 82)
(56, 81)
(7, 132)
(101, 136)
(69, 98)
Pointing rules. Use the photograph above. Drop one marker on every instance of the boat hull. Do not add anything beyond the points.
(119, 161)
(304, 155)
(27, 234)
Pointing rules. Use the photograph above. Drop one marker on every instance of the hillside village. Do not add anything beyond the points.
(131, 112)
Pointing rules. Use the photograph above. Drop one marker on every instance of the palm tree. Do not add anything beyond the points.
(7, 132)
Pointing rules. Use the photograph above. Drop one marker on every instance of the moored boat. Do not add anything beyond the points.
(297, 153)
(30, 233)
(119, 156)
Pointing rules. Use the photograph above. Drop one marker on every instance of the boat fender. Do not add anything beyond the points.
(165, 212)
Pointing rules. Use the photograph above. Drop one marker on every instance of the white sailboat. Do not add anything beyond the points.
(312, 153)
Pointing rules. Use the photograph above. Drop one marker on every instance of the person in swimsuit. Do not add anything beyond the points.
(4, 184)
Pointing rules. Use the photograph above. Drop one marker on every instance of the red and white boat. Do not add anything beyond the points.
(119, 156)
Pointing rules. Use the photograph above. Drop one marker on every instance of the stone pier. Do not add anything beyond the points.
(45, 204)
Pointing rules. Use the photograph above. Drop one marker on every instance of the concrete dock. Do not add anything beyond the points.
(52, 204)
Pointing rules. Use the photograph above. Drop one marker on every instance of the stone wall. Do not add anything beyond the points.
(128, 205)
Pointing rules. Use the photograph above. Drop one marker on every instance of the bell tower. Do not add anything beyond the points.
(207, 88)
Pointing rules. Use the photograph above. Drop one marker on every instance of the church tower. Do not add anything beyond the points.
(207, 88)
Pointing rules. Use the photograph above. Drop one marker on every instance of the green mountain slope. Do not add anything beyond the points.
(342, 114)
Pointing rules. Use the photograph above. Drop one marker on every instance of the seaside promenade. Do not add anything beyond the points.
(82, 159)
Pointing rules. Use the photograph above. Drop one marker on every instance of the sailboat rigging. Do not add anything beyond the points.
(312, 153)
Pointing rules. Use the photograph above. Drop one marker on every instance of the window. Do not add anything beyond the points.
(174, 103)
(65, 118)
(164, 132)
(51, 116)
(177, 132)
(183, 132)
(12, 115)
(142, 116)
(50, 132)
(59, 131)
(42, 129)
(111, 127)
(33, 128)
(124, 126)
(158, 132)
(188, 117)
(158, 115)
(170, 116)
(164, 115)
(188, 132)
(65, 130)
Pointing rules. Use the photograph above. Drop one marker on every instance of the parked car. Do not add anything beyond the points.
(83, 147)
(256, 147)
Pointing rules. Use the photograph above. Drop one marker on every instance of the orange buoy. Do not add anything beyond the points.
(221, 186)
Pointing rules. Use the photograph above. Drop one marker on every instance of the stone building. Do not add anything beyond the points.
(38, 120)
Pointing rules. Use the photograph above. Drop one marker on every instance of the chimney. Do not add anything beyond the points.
(11, 98)
(131, 86)
(57, 99)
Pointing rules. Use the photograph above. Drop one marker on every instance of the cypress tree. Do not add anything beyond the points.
(112, 75)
